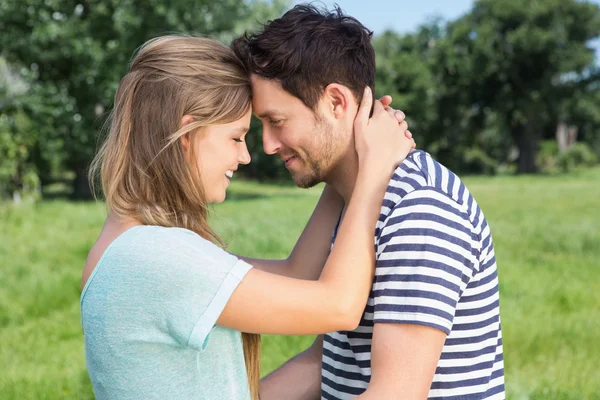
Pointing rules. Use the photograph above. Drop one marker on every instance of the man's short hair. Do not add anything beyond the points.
(309, 48)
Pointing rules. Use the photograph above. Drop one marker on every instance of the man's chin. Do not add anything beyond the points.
(306, 181)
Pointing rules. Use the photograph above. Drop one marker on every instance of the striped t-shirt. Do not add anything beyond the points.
(435, 267)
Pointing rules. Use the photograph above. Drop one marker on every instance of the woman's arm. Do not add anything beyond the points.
(268, 303)
(312, 248)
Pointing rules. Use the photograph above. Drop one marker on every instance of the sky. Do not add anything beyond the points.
(405, 16)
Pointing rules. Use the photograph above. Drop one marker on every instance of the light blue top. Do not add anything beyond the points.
(148, 312)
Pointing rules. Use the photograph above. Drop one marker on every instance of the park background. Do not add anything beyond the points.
(504, 92)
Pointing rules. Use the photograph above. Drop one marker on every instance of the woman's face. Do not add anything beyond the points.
(219, 150)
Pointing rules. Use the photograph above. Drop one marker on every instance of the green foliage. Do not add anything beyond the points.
(545, 234)
(578, 155)
(18, 176)
(585, 114)
(500, 77)
(546, 158)
(476, 161)
(404, 71)
(73, 54)
(524, 63)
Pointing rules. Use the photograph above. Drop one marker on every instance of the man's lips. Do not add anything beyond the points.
(288, 160)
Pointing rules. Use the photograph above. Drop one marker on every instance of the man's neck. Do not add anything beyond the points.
(343, 176)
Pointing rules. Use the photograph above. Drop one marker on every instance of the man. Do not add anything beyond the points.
(431, 327)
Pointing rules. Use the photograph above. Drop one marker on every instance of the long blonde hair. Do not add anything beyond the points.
(143, 170)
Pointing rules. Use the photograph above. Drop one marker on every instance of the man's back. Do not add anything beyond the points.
(435, 267)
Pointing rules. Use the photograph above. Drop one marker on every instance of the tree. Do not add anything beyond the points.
(405, 71)
(523, 61)
(74, 52)
(18, 174)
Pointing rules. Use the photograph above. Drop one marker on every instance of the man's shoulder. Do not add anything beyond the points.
(420, 171)
(422, 184)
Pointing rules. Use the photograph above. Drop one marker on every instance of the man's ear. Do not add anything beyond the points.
(186, 142)
(339, 100)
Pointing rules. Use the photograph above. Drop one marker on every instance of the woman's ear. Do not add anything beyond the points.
(186, 139)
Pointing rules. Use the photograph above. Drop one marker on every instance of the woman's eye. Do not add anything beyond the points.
(238, 140)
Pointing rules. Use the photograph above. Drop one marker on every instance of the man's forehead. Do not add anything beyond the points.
(260, 81)
(266, 106)
(269, 97)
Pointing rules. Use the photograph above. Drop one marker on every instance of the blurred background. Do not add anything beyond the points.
(504, 92)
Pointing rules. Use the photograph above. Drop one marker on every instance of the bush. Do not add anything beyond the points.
(578, 155)
(476, 161)
(18, 176)
(547, 156)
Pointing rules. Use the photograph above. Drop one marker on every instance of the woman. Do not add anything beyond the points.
(163, 304)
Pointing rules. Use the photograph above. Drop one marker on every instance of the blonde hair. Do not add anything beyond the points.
(143, 170)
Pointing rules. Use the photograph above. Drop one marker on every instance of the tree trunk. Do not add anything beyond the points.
(81, 185)
(566, 136)
(527, 142)
(562, 136)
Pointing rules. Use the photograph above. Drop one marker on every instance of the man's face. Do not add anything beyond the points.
(309, 143)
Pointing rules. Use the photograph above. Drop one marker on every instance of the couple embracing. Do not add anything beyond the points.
(395, 270)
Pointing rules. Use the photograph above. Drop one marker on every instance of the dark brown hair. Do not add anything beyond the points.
(309, 48)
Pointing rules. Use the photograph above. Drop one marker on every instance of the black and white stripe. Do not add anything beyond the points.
(435, 267)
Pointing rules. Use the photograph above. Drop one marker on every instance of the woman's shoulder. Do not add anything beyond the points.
(160, 254)
(158, 237)
(169, 244)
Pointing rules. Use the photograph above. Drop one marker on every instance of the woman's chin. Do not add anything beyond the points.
(218, 198)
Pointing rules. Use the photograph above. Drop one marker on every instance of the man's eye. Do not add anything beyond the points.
(274, 122)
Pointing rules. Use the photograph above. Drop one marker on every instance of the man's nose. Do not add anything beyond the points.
(271, 145)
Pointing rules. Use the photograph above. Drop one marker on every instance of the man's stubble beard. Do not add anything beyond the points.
(320, 164)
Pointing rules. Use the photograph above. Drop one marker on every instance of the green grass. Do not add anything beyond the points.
(547, 236)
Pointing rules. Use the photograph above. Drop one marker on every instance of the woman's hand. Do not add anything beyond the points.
(381, 142)
(398, 114)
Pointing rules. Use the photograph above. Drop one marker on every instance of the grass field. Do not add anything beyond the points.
(547, 235)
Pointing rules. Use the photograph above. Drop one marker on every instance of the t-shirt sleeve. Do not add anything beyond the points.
(198, 280)
(426, 255)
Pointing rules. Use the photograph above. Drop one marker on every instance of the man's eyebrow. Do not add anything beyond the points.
(266, 114)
